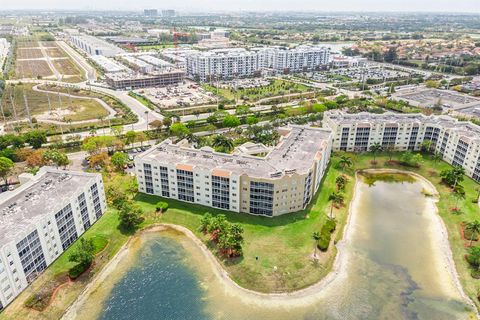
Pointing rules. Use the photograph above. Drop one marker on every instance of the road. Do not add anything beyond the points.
(144, 114)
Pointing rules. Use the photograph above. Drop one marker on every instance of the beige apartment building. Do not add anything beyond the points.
(283, 181)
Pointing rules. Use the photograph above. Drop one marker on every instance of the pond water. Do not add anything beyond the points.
(392, 268)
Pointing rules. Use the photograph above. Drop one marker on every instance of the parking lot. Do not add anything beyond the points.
(429, 98)
(182, 95)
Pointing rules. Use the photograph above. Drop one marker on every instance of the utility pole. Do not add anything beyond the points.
(27, 109)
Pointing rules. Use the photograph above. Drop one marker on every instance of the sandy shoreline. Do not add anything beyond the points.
(301, 297)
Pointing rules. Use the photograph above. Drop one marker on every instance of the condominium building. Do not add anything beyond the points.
(458, 142)
(40, 220)
(283, 181)
(239, 62)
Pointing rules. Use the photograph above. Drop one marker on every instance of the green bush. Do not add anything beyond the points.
(468, 235)
(161, 206)
(475, 273)
(326, 234)
(77, 270)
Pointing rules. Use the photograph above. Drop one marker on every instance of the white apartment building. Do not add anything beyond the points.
(95, 46)
(239, 62)
(40, 220)
(458, 142)
(283, 181)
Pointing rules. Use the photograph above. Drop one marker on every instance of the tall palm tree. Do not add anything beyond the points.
(375, 148)
(335, 198)
(474, 228)
(345, 162)
(316, 237)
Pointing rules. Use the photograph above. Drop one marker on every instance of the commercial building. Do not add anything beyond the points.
(131, 81)
(340, 61)
(158, 63)
(168, 13)
(458, 142)
(95, 46)
(150, 12)
(283, 181)
(137, 64)
(40, 220)
(238, 62)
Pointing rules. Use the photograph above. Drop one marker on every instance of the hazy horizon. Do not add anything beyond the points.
(444, 6)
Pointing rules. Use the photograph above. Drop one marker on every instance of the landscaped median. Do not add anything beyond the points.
(278, 253)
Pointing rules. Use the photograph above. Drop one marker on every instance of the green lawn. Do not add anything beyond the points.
(276, 88)
(283, 244)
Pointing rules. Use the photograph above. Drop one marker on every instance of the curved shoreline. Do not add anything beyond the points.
(294, 298)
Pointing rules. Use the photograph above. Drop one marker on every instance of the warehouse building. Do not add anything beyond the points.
(283, 181)
(40, 220)
(458, 142)
(95, 46)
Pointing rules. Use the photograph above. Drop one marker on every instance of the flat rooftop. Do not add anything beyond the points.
(430, 97)
(46, 193)
(465, 129)
(296, 152)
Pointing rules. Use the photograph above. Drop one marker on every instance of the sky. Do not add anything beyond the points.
(472, 6)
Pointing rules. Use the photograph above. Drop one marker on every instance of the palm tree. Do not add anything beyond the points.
(474, 228)
(335, 198)
(345, 162)
(220, 141)
(316, 237)
(458, 193)
(341, 181)
(375, 148)
(436, 157)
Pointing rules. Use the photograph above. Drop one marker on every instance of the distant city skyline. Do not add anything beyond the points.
(465, 6)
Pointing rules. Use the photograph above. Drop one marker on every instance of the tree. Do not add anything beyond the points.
(436, 157)
(223, 143)
(474, 228)
(212, 119)
(35, 159)
(453, 176)
(161, 206)
(119, 160)
(390, 55)
(157, 125)
(458, 193)
(473, 257)
(336, 199)
(167, 122)
(130, 216)
(251, 120)
(426, 145)
(316, 237)
(56, 157)
(341, 182)
(6, 166)
(84, 253)
(231, 121)
(345, 162)
(375, 148)
(99, 159)
(179, 130)
(205, 222)
(432, 84)
(390, 148)
(36, 138)
(130, 137)
(141, 137)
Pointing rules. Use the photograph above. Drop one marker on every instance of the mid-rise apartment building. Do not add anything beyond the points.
(40, 220)
(239, 62)
(458, 142)
(283, 181)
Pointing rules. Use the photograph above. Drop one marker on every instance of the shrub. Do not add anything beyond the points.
(326, 234)
(161, 206)
(77, 270)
